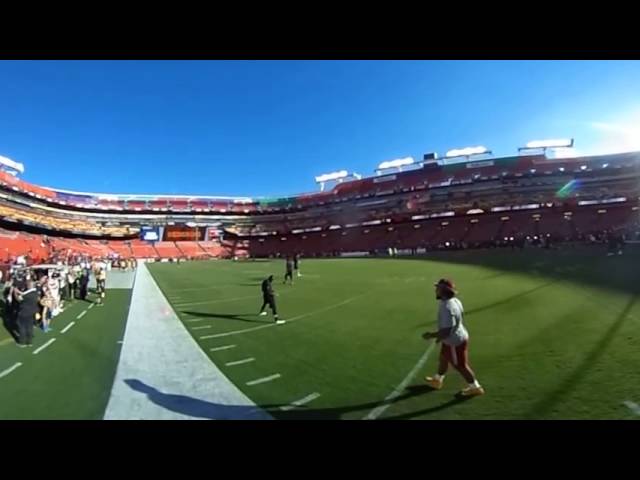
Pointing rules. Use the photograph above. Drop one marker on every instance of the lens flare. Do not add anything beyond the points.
(568, 189)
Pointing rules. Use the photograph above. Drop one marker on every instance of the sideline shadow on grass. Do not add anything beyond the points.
(198, 408)
(229, 316)
(509, 299)
(546, 404)
(578, 264)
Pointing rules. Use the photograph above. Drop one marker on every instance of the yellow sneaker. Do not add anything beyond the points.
(434, 383)
(472, 392)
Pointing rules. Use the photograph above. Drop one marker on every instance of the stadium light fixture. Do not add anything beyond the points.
(556, 143)
(544, 145)
(7, 162)
(328, 177)
(467, 152)
(397, 163)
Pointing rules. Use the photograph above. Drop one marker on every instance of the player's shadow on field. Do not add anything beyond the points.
(243, 317)
(198, 408)
(194, 407)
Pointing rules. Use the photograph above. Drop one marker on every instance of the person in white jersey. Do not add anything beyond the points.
(454, 338)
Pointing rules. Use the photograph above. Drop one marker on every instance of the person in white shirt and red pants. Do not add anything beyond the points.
(454, 339)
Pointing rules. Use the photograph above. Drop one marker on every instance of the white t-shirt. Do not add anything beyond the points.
(450, 315)
(54, 286)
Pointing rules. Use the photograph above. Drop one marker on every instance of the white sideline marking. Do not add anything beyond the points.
(201, 327)
(91, 306)
(81, 315)
(67, 327)
(240, 362)
(264, 379)
(42, 347)
(633, 406)
(289, 320)
(120, 342)
(6, 372)
(302, 401)
(192, 304)
(194, 319)
(224, 347)
(386, 403)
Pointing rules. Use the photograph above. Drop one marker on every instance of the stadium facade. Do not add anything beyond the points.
(433, 204)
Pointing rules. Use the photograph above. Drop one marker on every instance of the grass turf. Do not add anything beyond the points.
(71, 378)
(553, 333)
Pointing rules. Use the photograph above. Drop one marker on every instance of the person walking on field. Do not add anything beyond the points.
(289, 271)
(455, 340)
(296, 264)
(268, 298)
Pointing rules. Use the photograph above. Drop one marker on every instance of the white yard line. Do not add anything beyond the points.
(64, 330)
(289, 320)
(264, 379)
(91, 306)
(387, 402)
(201, 327)
(81, 315)
(224, 347)
(206, 302)
(194, 319)
(200, 288)
(633, 406)
(302, 401)
(6, 372)
(240, 362)
(42, 347)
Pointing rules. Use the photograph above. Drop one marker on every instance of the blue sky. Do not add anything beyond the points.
(259, 128)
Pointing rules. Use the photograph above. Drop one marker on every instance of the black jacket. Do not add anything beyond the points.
(267, 288)
(29, 305)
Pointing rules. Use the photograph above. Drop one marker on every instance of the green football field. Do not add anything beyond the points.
(554, 334)
(71, 377)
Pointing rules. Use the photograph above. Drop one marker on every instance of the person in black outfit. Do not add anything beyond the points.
(268, 298)
(84, 285)
(27, 310)
(289, 274)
